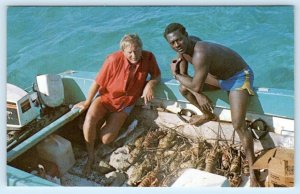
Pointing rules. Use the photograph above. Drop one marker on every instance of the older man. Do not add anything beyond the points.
(120, 82)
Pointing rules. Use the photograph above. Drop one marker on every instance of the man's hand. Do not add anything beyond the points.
(84, 105)
(175, 66)
(148, 93)
(204, 103)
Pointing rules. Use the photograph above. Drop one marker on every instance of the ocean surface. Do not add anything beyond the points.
(43, 40)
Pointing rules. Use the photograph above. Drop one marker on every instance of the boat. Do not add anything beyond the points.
(270, 113)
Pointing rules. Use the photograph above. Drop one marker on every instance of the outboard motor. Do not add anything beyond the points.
(21, 106)
(50, 90)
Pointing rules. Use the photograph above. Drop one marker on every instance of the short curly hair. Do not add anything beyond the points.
(129, 39)
(173, 27)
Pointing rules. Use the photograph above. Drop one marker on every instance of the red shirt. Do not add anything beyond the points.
(122, 83)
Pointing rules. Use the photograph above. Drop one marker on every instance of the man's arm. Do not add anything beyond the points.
(179, 66)
(148, 92)
(195, 84)
(92, 92)
(183, 65)
(200, 73)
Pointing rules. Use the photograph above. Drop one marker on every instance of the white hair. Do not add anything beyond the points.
(130, 39)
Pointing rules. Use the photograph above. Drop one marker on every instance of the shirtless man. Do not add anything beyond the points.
(218, 66)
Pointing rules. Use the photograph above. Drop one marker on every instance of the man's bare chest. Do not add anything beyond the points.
(188, 58)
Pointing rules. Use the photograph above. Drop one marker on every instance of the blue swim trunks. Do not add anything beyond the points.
(242, 80)
(128, 109)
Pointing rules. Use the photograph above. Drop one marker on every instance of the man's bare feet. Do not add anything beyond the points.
(198, 120)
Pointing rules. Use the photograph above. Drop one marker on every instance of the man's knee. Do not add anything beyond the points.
(108, 134)
(107, 138)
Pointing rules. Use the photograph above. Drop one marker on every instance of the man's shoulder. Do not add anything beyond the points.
(116, 55)
(195, 38)
(200, 44)
(145, 52)
(148, 55)
(203, 47)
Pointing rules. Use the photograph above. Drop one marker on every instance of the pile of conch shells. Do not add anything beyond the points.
(159, 157)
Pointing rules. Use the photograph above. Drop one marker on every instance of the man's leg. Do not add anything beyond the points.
(212, 81)
(95, 114)
(112, 127)
(192, 98)
(239, 100)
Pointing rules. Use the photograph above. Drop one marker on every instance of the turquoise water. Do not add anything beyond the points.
(55, 39)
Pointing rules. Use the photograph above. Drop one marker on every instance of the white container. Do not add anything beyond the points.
(58, 150)
(197, 178)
